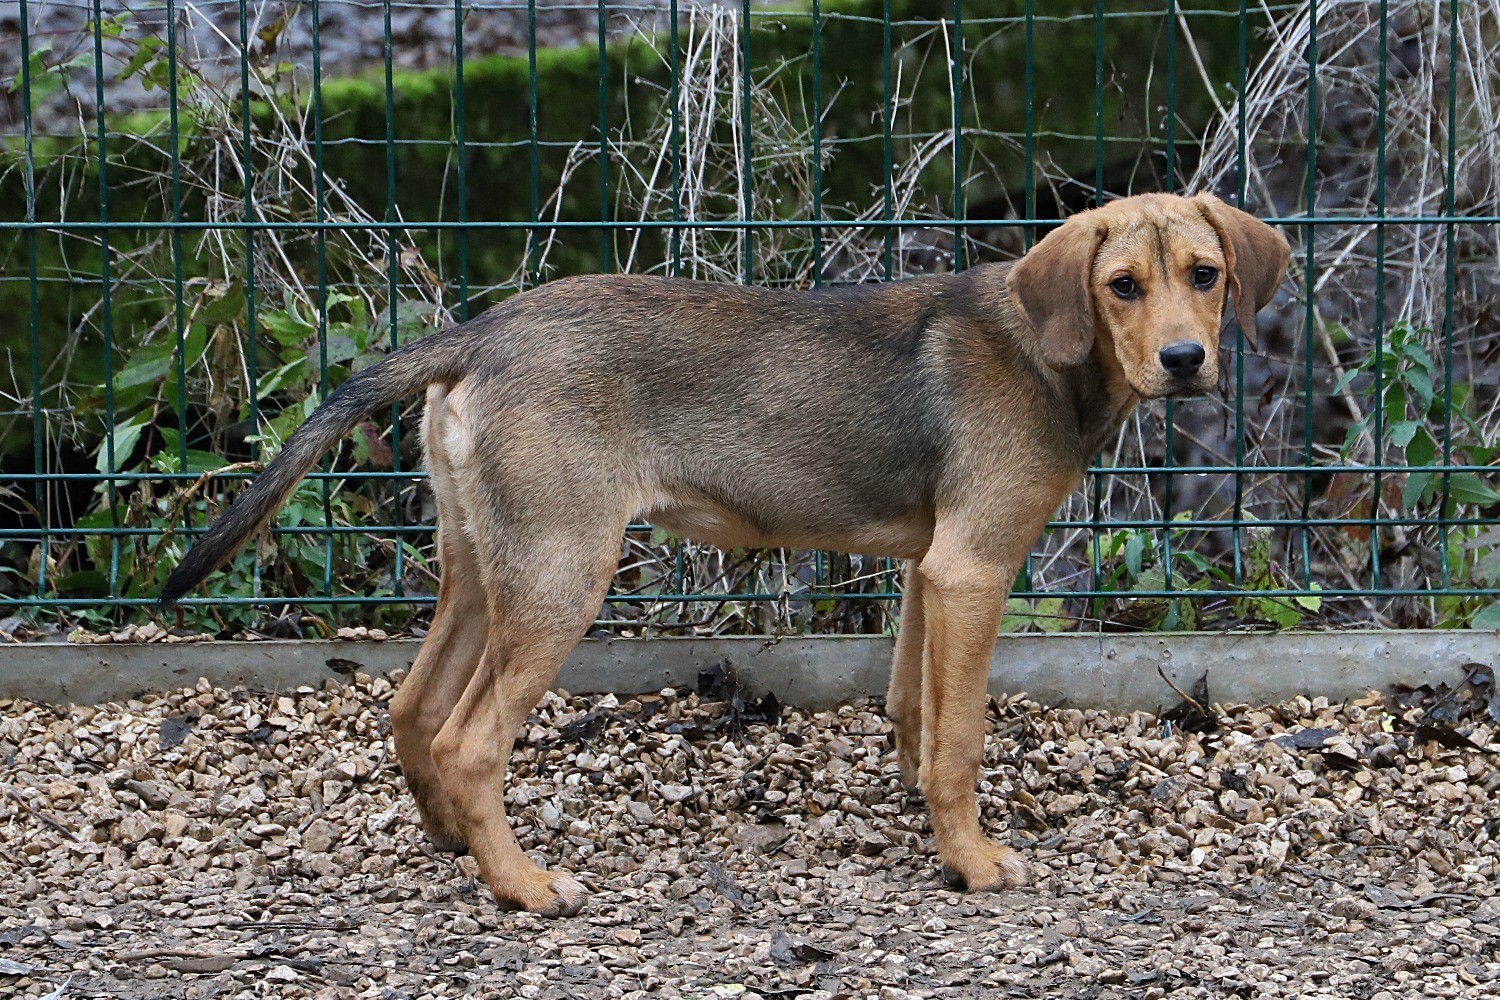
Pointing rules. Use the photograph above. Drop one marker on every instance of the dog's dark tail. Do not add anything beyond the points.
(440, 357)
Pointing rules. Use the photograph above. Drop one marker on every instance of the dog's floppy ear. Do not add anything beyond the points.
(1256, 256)
(1052, 287)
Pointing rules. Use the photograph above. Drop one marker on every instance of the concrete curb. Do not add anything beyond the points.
(1116, 672)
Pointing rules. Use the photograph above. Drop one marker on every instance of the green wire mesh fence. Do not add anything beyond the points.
(212, 213)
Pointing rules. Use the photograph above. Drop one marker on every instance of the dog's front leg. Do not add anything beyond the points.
(963, 593)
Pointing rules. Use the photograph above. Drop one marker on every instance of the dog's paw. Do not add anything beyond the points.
(448, 843)
(908, 755)
(570, 895)
(546, 894)
(991, 868)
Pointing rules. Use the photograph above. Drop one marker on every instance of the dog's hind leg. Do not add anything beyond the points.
(453, 645)
(447, 660)
(903, 700)
(545, 588)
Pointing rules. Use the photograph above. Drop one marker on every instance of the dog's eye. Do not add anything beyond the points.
(1124, 287)
(1204, 276)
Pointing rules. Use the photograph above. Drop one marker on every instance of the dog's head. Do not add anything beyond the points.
(1148, 279)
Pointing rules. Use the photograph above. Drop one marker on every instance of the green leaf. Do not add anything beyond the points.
(415, 319)
(286, 328)
(1194, 559)
(145, 51)
(38, 66)
(124, 435)
(280, 377)
(147, 372)
(1135, 550)
(1282, 614)
(1487, 569)
(1180, 617)
(1395, 405)
(1049, 616)
(1422, 449)
(169, 459)
(100, 518)
(1400, 434)
(1355, 430)
(1421, 383)
(84, 583)
(1415, 489)
(194, 345)
(1488, 618)
(1017, 615)
(1154, 578)
(222, 302)
(341, 348)
(1344, 380)
(1417, 354)
(1311, 602)
(1466, 487)
(356, 334)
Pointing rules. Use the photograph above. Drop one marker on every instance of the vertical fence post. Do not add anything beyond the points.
(1169, 449)
(320, 214)
(393, 289)
(956, 75)
(247, 170)
(747, 149)
(1241, 182)
(106, 318)
(460, 136)
(1379, 408)
(40, 492)
(1096, 463)
(1309, 284)
(1445, 513)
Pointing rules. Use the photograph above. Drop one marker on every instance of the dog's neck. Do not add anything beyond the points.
(1102, 397)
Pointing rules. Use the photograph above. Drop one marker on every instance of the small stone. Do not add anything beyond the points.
(174, 825)
(318, 837)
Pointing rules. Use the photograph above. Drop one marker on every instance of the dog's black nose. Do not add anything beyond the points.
(1183, 358)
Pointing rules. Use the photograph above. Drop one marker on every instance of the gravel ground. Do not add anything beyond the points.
(210, 843)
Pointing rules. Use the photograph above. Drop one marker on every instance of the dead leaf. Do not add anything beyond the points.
(1448, 737)
(173, 730)
(1341, 761)
(1306, 739)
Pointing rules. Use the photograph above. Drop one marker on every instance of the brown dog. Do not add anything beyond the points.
(940, 420)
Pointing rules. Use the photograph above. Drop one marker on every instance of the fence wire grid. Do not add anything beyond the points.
(211, 213)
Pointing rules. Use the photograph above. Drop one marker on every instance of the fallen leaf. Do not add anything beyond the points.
(1341, 761)
(1306, 739)
(1448, 737)
(173, 730)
